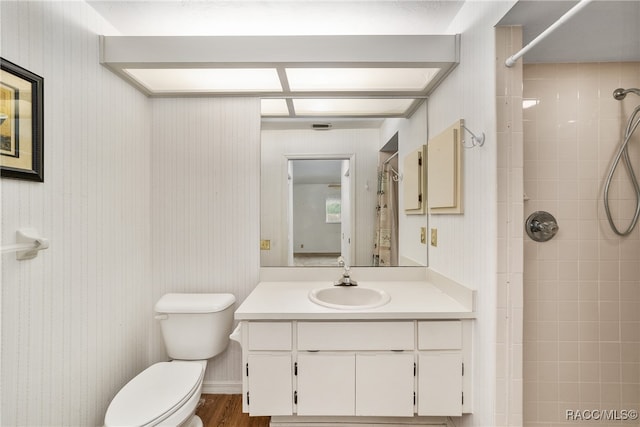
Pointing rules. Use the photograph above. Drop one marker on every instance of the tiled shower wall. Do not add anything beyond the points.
(581, 289)
(509, 297)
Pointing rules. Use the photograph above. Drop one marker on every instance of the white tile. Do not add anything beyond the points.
(593, 264)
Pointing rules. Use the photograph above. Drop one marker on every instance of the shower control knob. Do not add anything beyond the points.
(544, 227)
(541, 226)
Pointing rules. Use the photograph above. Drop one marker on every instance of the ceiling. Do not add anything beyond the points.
(605, 30)
(277, 17)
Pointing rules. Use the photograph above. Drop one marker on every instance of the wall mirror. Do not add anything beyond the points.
(319, 195)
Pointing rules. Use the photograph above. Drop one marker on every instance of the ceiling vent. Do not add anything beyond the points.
(321, 126)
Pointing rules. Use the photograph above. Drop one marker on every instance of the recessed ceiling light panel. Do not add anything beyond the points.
(221, 80)
(359, 79)
(352, 107)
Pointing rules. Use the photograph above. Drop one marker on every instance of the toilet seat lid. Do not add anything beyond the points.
(156, 391)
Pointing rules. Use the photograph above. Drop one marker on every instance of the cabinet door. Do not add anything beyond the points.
(440, 383)
(413, 182)
(270, 390)
(384, 384)
(326, 384)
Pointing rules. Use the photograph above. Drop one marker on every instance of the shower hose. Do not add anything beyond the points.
(623, 154)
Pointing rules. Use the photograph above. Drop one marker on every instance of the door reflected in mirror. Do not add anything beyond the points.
(319, 212)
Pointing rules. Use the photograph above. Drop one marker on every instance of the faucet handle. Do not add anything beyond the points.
(344, 265)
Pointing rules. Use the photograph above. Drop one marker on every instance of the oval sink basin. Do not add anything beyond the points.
(349, 297)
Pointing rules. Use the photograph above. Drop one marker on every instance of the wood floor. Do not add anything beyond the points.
(225, 410)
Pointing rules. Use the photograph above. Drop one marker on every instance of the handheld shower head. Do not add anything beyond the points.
(620, 93)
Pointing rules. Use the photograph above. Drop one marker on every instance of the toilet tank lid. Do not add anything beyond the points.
(194, 303)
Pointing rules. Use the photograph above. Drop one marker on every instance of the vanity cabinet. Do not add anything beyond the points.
(440, 383)
(269, 382)
(326, 384)
(268, 369)
(440, 368)
(373, 374)
(355, 368)
(385, 384)
(365, 384)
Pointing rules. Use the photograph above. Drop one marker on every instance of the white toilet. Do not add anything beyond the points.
(195, 327)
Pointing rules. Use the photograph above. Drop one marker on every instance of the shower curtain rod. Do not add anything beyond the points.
(511, 61)
(389, 158)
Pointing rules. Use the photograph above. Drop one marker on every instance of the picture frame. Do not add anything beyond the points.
(21, 123)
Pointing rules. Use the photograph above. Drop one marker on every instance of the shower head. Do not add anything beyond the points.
(620, 93)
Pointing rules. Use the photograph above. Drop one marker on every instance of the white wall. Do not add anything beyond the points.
(75, 320)
(205, 204)
(278, 143)
(467, 244)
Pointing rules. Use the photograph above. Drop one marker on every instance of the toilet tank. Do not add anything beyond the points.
(195, 326)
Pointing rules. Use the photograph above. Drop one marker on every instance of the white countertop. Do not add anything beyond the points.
(288, 300)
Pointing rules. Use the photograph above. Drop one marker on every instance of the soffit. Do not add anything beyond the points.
(281, 59)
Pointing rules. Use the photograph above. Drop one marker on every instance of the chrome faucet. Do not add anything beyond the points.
(346, 279)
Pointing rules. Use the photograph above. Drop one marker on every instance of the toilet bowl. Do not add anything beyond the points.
(195, 327)
(158, 396)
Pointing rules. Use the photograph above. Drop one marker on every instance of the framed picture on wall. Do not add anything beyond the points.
(21, 123)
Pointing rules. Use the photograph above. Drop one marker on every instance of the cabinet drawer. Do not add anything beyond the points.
(440, 335)
(269, 336)
(355, 336)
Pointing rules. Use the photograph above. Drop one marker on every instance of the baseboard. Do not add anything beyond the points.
(295, 421)
(222, 387)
